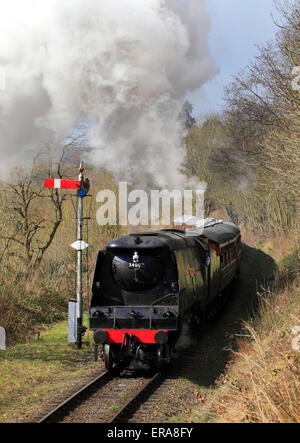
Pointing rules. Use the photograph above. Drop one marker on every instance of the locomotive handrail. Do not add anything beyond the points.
(161, 282)
(162, 298)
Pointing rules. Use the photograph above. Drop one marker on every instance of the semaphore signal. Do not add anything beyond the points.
(58, 183)
(82, 186)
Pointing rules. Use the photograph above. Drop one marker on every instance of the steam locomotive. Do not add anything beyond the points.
(146, 285)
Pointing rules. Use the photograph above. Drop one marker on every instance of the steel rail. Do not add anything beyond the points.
(132, 402)
(103, 378)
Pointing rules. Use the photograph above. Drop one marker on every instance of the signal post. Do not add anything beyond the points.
(75, 326)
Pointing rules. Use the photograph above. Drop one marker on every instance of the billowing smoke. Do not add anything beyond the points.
(124, 66)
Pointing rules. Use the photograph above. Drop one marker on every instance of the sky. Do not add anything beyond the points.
(63, 60)
(236, 27)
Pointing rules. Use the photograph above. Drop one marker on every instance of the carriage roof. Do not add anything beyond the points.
(217, 231)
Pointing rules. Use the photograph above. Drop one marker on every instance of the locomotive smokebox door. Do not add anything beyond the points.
(72, 322)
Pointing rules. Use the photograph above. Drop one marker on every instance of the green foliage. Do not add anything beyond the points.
(186, 115)
(290, 262)
(24, 306)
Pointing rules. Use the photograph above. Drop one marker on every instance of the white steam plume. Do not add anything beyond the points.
(124, 65)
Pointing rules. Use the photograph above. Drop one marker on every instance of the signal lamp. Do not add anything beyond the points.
(81, 192)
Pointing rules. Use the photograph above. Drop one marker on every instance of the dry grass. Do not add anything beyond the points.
(262, 383)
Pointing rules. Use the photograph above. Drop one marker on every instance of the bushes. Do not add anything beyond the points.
(29, 302)
(37, 281)
(272, 367)
(261, 383)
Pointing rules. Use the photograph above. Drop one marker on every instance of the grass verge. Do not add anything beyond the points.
(261, 381)
(38, 372)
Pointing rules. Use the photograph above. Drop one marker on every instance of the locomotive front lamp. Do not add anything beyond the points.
(161, 337)
(100, 337)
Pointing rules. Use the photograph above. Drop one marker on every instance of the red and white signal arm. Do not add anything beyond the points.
(58, 183)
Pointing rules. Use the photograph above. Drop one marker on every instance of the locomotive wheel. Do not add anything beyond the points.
(108, 358)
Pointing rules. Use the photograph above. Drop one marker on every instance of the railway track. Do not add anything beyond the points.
(71, 402)
(136, 400)
(117, 395)
(112, 397)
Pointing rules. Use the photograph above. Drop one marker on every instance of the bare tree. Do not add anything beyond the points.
(29, 223)
(263, 122)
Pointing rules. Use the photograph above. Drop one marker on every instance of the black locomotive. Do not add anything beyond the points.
(146, 284)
